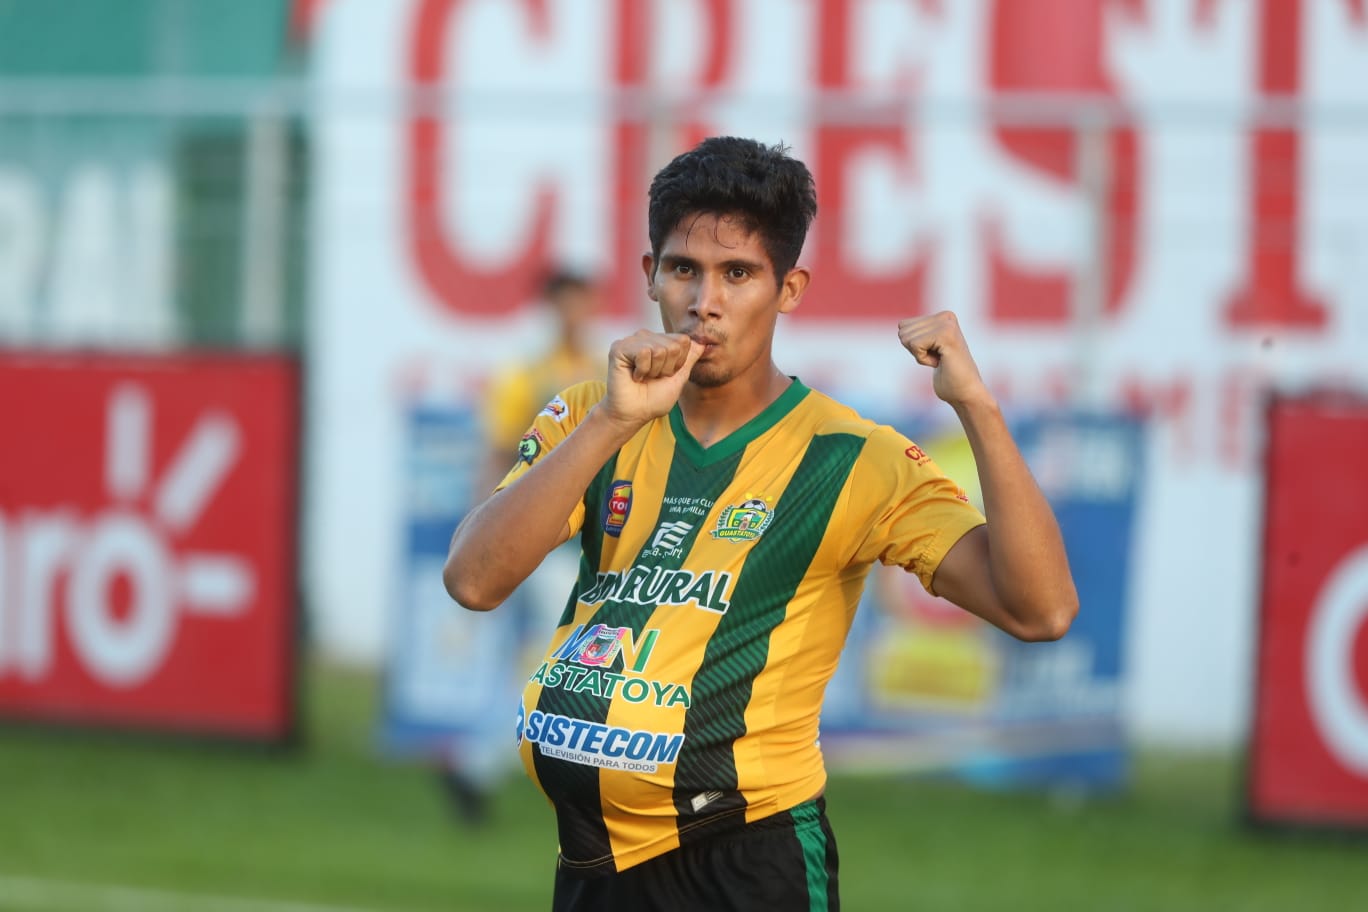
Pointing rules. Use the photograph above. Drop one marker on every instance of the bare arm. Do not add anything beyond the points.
(502, 541)
(1013, 572)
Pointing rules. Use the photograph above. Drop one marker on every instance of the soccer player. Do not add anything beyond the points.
(728, 516)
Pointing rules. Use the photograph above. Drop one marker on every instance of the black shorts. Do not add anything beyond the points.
(783, 863)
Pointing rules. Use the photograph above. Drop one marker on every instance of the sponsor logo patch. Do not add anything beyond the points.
(604, 746)
(650, 586)
(599, 644)
(744, 522)
(611, 685)
(671, 535)
(916, 454)
(556, 409)
(616, 507)
(703, 799)
(584, 664)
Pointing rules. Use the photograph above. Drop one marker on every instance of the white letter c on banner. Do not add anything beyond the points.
(1339, 710)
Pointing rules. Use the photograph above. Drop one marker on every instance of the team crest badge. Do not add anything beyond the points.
(616, 507)
(744, 523)
(530, 447)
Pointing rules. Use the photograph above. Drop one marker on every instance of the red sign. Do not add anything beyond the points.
(147, 541)
(1309, 744)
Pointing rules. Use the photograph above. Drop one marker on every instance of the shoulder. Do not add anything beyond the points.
(585, 393)
(831, 416)
(887, 455)
(574, 402)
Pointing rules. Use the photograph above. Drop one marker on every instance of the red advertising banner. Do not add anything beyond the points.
(1309, 741)
(148, 511)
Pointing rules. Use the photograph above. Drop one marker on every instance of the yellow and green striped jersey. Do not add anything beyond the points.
(679, 696)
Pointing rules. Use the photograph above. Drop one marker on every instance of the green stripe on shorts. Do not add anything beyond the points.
(807, 825)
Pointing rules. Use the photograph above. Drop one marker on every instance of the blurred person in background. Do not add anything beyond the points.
(474, 764)
(728, 517)
(520, 388)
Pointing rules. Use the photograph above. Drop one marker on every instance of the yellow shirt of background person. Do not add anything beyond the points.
(518, 391)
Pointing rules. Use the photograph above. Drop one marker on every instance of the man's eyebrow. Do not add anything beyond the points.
(671, 260)
(748, 265)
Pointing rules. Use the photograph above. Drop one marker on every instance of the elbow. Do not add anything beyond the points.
(465, 590)
(1050, 622)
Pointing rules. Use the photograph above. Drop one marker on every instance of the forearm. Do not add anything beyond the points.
(1027, 563)
(504, 539)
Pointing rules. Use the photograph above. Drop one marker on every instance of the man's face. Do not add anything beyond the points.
(575, 306)
(714, 282)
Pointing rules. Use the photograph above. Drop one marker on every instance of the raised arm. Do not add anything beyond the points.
(500, 542)
(1012, 572)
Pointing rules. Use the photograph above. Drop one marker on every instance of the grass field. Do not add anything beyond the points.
(94, 822)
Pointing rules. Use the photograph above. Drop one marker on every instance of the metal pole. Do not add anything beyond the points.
(1094, 275)
(266, 170)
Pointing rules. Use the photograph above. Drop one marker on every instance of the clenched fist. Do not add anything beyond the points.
(936, 341)
(646, 374)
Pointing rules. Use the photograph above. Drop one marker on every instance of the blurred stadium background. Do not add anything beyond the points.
(259, 259)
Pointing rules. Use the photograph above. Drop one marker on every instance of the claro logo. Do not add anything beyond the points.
(115, 579)
(1338, 702)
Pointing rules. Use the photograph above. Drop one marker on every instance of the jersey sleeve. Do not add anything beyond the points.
(909, 513)
(549, 428)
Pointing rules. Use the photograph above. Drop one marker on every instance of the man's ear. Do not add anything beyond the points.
(648, 267)
(792, 288)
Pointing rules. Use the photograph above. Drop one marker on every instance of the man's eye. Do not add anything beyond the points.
(739, 272)
(682, 269)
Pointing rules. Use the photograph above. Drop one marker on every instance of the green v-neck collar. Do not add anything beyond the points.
(738, 439)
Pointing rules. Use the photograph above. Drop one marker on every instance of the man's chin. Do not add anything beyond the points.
(707, 376)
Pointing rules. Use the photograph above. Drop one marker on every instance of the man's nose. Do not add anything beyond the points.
(711, 296)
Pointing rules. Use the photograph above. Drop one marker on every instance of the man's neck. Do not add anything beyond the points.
(712, 413)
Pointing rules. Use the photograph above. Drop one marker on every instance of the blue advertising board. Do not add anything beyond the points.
(447, 667)
(454, 677)
(924, 686)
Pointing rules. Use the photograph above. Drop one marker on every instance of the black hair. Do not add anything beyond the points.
(558, 281)
(771, 192)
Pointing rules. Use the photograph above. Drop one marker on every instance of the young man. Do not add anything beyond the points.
(728, 517)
